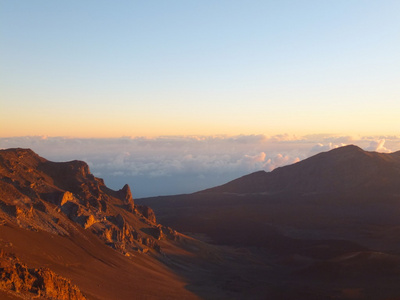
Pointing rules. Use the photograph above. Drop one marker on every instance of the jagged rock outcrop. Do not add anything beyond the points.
(90, 220)
(44, 195)
(147, 212)
(126, 195)
(170, 233)
(67, 197)
(16, 277)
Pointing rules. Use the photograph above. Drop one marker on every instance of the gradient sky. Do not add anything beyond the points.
(152, 68)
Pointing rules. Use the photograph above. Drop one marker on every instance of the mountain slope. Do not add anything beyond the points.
(47, 196)
(342, 194)
(58, 221)
(329, 225)
(347, 169)
(59, 216)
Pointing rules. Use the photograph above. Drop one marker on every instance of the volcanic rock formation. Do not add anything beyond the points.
(324, 228)
(66, 200)
(17, 278)
(39, 195)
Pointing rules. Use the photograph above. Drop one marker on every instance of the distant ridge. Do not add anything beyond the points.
(331, 221)
(340, 194)
(346, 169)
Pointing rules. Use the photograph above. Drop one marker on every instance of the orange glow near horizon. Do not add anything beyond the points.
(274, 72)
(112, 124)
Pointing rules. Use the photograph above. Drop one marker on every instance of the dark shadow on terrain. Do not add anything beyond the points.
(327, 246)
(253, 273)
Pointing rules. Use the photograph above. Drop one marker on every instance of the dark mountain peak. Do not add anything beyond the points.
(331, 158)
(343, 152)
(348, 149)
(344, 169)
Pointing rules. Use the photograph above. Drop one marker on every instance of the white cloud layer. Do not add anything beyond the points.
(182, 164)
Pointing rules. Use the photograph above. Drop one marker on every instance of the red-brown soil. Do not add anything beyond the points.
(60, 217)
(306, 231)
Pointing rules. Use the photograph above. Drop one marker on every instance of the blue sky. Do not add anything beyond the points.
(177, 96)
(151, 68)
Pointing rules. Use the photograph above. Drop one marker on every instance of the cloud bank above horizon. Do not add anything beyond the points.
(185, 164)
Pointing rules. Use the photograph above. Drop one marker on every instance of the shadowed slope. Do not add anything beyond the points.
(339, 194)
(347, 169)
(329, 224)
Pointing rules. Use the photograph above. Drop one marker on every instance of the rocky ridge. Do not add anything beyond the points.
(65, 199)
(39, 194)
(17, 278)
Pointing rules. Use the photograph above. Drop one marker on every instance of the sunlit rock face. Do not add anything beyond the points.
(18, 278)
(65, 200)
(42, 195)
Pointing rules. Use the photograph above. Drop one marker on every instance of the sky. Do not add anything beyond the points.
(176, 96)
(153, 68)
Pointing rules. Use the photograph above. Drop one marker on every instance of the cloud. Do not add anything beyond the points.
(283, 138)
(324, 147)
(256, 158)
(280, 160)
(193, 161)
(378, 146)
